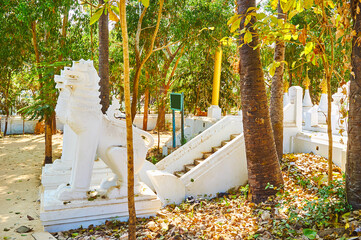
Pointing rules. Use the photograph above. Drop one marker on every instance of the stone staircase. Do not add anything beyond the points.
(197, 161)
(212, 162)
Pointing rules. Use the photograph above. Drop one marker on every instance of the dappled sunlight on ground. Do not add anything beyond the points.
(21, 158)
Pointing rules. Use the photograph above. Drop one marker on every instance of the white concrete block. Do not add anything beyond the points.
(170, 189)
(215, 112)
(59, 215)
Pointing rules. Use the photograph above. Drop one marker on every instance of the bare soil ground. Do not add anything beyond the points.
(21, 158)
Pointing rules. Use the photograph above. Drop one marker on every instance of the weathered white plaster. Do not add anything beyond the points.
(193, 127)
(317, 143)
(214, 111)
(58, 215)
(224, 169)
(292, 118)
(170, 189)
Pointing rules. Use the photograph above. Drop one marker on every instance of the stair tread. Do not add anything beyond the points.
(215, 149)
(189, 167)
(198, 161)
(224, 143)
(233, 136)
(207, 154)
(179, 173)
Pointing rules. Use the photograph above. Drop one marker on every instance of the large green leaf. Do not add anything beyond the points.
(311, 234)
(145, 3)
(96, 16)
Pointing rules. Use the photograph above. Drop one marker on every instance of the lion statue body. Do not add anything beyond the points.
(97, 134)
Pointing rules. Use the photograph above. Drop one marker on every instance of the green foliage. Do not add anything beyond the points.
(330, 202)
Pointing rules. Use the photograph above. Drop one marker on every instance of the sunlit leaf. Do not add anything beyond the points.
(308, 4)
(145, 3)
(113, 17)
(96, 16)
(232, 19)
(308, 48)
(235, 25)
(247, 37)
(248, 19)
(292, 14)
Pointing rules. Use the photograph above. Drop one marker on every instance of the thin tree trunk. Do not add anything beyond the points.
(23, 125)
(48, 135)
(140, 63)
(262, 160)
(131, 203)
(6, 123)
(146, 105)
(7, 103)
(329, 129)
(328, 72)
(276, 103)
(104, 60)
(53, 123)
(135, 91)
(353, 163)
(48, 140)
(91, 33)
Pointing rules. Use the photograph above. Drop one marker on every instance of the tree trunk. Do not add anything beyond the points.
(48, 135)
(161, 117)
(135, 91)
(131, 203)
(276, 103)
(7, 111)
(146, 105)
(262, 160)
(6, 123)
(23, 125)
(160, 125)
(53, 123)
(104, 60)
(353, 163)
(48, 141)
(329, 128)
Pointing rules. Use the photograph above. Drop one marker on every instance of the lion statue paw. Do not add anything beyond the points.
(66, 193)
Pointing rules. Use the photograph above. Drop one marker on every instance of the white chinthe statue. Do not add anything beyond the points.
(97, 135)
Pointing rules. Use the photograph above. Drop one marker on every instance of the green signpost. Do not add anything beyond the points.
(177, 104)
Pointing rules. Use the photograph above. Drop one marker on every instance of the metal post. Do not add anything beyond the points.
(173, 120)
(217, 76)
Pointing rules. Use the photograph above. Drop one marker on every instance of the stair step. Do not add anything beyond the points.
(198, 161)
(179, 173)
(233, 136)
(224, 143)
(189, 167)
(215, 149)
(207, 154)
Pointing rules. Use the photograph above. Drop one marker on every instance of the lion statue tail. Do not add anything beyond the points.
(146, 135)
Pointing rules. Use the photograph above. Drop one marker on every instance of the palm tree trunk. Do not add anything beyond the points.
(262, 160)
(276, 103)
(104, 60)
(131, 203)
(353, 163)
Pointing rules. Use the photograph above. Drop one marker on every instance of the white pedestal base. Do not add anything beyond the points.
(51, 179)
(59, 216)
(215, 112)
